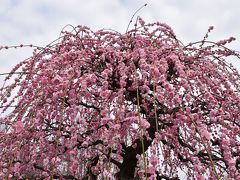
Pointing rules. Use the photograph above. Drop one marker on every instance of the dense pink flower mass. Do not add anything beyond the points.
(98, 105)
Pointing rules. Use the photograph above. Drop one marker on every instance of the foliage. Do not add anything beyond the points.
(110, 105)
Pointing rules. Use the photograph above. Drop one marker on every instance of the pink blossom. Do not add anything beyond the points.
(142, 53)
(122, 83)
(144, 123)
(105, 93)
(210, 28)
(85, 144)
(134, 145)
(18, 126)
(205, 134)
(55, 160)
(116, 126)
(141, 21)
(155, 72)
(57, 80)
(17, 168)
(46, 162)
(151, 170)
(107, 174)
(200, 177)
(153, 160)
(74, 167)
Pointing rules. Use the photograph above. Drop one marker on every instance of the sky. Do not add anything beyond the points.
(39, 22)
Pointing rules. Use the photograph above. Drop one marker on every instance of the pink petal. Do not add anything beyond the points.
(18, 126)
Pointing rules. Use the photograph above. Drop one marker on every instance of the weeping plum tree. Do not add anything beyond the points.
(106, 105)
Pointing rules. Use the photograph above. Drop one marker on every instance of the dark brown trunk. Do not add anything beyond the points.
(127, 168)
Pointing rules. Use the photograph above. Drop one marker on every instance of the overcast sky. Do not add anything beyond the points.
(39, 22)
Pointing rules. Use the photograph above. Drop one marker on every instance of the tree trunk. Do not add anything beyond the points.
(127, 168)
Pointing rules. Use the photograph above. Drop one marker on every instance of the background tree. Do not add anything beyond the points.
(105, 105)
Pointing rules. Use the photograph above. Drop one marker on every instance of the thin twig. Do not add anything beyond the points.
(134, 15)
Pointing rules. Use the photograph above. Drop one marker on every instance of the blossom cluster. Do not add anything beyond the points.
(94, 103)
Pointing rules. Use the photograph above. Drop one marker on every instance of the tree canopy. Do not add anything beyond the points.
(107, 105)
